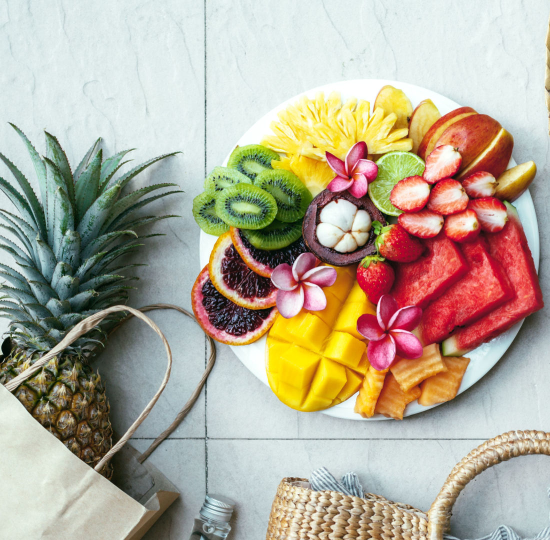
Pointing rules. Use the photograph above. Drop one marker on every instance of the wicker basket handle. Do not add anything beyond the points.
(493, 452)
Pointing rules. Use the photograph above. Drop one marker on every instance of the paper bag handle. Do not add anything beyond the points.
(79, 330)
(490, 453)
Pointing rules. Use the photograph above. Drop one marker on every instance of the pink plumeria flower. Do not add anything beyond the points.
(300, 285)
(389, 332)
(354, 173)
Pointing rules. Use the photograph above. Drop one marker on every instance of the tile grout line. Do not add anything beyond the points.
(205, 341)
(206, 438)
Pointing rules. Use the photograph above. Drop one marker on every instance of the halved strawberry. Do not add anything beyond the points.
(480, 184)
(443, 162)
(462, 227)
(448, 197)
(424, 224)
(410, 194)
(491, 213)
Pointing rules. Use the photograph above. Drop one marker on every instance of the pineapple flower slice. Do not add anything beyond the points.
(343, 227)
(354, 173)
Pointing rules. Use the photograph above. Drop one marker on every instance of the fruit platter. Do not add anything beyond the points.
(369, 249)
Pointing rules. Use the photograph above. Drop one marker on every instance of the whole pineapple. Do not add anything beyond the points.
(67, 249)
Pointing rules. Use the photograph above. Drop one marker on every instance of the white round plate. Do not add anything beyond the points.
(482, 358)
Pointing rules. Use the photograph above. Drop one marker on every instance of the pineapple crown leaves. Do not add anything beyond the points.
(65, 241)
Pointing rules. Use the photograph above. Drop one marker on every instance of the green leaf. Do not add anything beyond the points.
(69, 251)
(39, 166)
(17, 253)
(23, 239)
(98, 281)
(15, 314)
(110, 167)
(15, 275)
(18, 201)
(56, 154)
(42, 291)
(28, 192)
(95, 216)
(70, 319)
(67, 287)
(38, 310)
(54, 181)
(104, 240)
(33, 329)
(47, 259)
(88, 264)
(32, 273)
(80, 300)
(146, 220)
(17, 282)
(87, 187)
(58, 307)
(111, 301)
(18, 294)
(120, 219)
(63, 219)
(129, 200)
(86, 159)
(51, 323)
(108, 259)
(125, 178)
(24, 229)
(61, 269)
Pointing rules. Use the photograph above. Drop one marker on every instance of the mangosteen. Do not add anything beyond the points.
(337, 227)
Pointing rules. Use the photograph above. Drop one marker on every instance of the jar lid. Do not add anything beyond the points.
(218, 507)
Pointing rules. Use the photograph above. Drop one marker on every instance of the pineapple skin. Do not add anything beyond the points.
(68, 399)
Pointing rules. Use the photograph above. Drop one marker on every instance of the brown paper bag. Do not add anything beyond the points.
(48, 493)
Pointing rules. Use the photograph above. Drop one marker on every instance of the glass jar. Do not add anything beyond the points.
(212, 523)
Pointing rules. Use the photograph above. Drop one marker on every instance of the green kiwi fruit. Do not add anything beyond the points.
(291, 195)
(246, 206)
(223, 177)
(204, 212)
(278, 235)
(252, 159)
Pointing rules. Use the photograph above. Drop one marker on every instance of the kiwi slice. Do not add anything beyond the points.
(278, 235)
(204, 212)
(252, 159)
(222, 177)
(291, 195)
(246, 206)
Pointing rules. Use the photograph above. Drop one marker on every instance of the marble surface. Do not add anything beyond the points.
(193, 76)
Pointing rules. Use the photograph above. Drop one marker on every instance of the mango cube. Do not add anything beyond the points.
(275, 349)
(352, 385)
(356, 295)
(298, 366)
(343, 284)
(347, 320)
(310, 332)
(329, 379)
(279, 330)
(330, 313)
(291, 396)
(315, 403)
(345, 349)
(364, 364)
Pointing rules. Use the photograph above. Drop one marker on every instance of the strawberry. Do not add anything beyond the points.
(448, 197)
(462, 227)
(443, 162)
(424, 224)
(394, 243)
(375, 277)
(480, 184)
(491, 213)
(410, 194)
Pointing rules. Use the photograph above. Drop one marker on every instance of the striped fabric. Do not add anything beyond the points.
(322, 480)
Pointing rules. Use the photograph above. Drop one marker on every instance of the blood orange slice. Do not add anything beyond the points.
(264, 261)
(224, 320)
(232, 277)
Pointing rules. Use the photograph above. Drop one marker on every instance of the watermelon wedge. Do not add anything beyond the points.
(509, 247)
(422, 281)
(480, 291)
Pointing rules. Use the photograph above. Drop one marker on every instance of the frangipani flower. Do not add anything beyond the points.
(354, 173)
(300, 285)
(389, 332)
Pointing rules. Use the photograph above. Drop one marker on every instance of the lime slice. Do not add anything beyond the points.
(392, 167)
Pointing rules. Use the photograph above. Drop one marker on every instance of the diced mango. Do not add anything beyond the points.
(343, 284)
(310, 332)
(298, 366)
(275, 349)
(347, 320)
(356, 295)
(409, 373)
(330, 313)
(291, 396)
(370, 392)
(279, 330)
(273, 380)
(364, 364)
(345, 349)
(315, 403)
(329, 379)
(352, 385)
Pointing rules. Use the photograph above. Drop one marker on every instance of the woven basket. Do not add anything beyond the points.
(300, 513)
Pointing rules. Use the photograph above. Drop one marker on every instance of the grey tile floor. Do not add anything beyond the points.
(193, 76)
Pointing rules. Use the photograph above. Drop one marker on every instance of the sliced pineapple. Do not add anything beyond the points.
(315, 174)
(311, 127)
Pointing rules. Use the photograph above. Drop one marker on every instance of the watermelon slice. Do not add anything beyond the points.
(509, 247)
(481, 290)
(422, 281)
